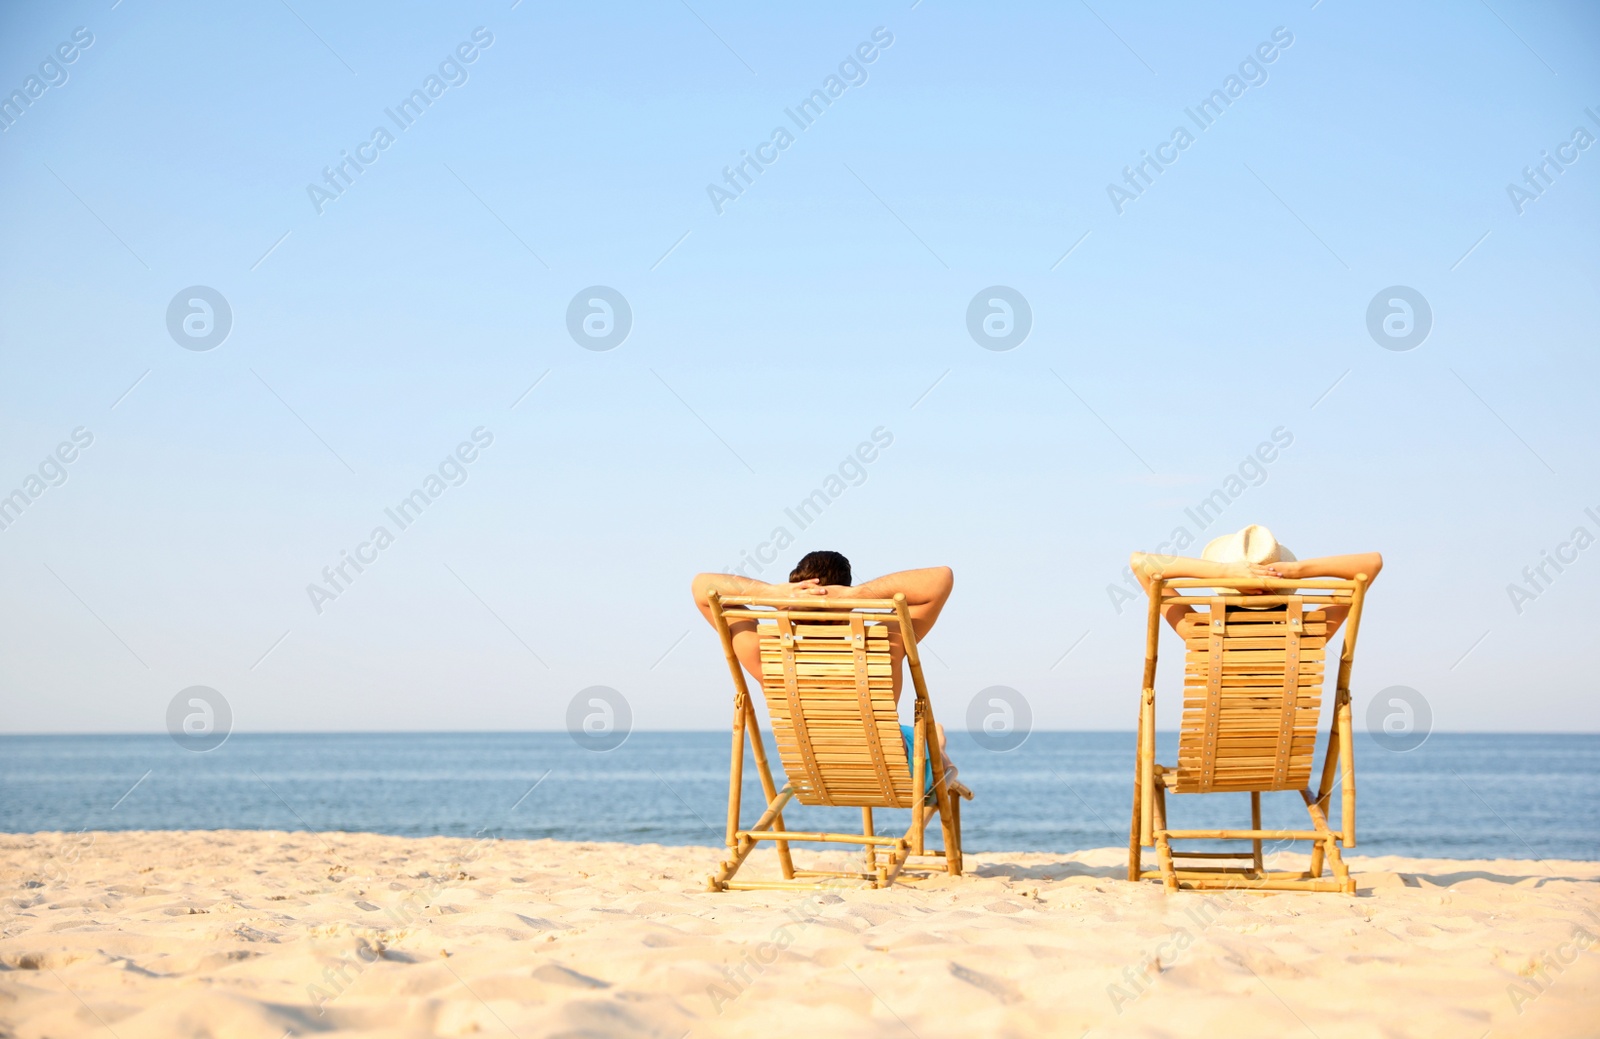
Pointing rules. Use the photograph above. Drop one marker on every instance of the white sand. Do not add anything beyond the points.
(247, 934)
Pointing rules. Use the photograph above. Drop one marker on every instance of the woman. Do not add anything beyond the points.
(1253, 552)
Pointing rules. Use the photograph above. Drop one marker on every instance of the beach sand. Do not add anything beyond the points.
(270, 934)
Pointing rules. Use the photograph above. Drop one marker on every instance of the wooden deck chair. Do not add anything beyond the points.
(1252, 693)
(826, 670)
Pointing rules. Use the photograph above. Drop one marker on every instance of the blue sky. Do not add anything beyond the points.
(372, 334)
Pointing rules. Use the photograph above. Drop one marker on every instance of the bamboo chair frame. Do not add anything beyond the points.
(1228, 742)
(832, 773)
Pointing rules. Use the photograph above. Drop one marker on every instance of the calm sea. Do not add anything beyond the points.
(1457, 795)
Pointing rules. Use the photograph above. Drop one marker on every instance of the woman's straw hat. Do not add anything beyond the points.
(1253, 544)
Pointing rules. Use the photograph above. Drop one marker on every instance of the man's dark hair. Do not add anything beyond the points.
(826, 567)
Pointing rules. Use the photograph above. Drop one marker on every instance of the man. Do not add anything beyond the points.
(1253, 552)
(828, 574)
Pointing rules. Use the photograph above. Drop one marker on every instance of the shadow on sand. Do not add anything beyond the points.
(1047, 871)
(1447, 879)
(1062, 870)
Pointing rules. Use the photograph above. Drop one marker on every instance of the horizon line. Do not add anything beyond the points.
(718, 732)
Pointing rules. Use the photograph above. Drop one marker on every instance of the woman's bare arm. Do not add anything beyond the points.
(1145, 566)
(1343, 567)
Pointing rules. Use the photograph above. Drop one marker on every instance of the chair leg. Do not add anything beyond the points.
(1169, 876)
(867, 831)
(949, 830)
(1134, 850)
(1255, 824)
(1161, 807)
(897, 854)
(1327, 845)
(1341, 872)
(952, 855)
(945, 804)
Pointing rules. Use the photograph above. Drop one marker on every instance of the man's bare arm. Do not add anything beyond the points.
(733, 584)
(926, 592)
